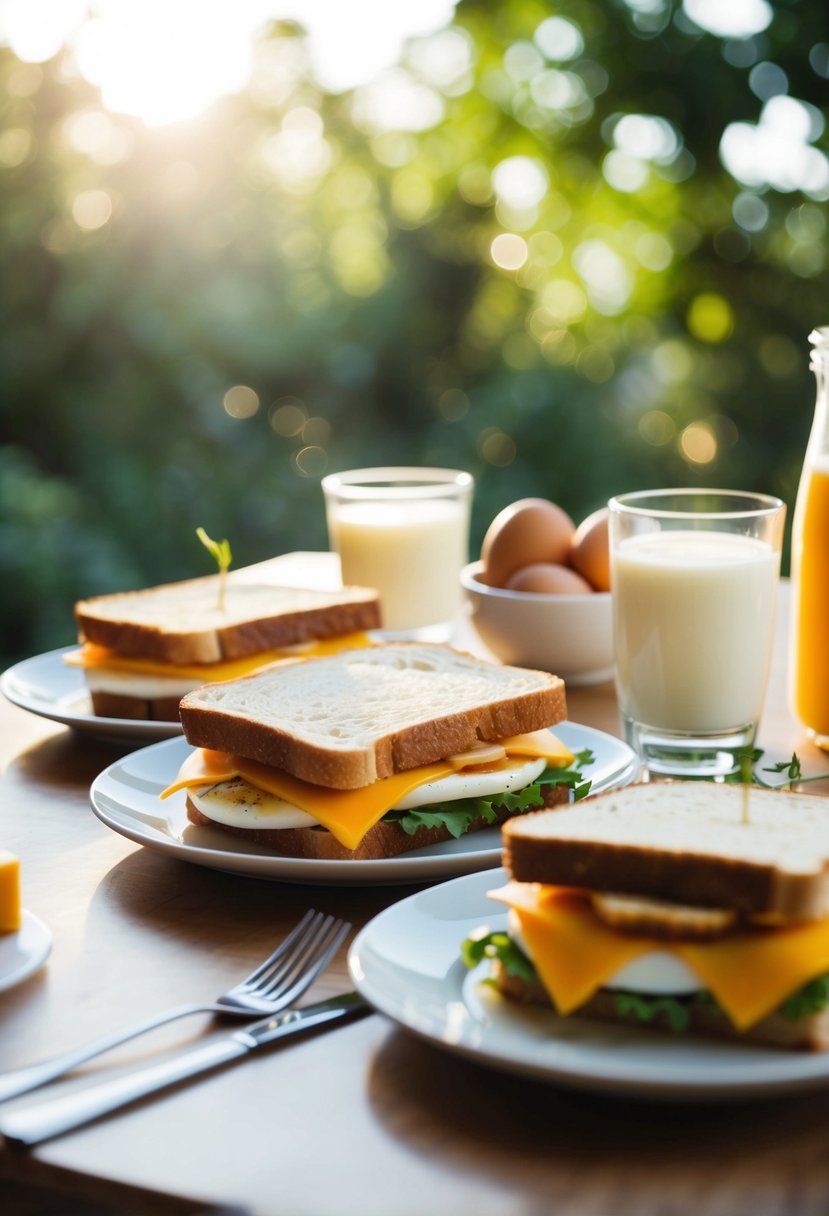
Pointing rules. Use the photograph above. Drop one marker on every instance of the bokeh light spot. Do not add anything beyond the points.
(780, 356)
(453, 404)
(710, 318)
(496, 447)
(15, 145)
(508, 251)
(698, 443)
(310, 461)
(287, 418)
(241, 401)
(92, 209)
(657, 428)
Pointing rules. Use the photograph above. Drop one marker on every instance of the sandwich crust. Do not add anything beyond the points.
(686, 842)
(180, 623)
(338, 746)
(382, 841)
(115, 705)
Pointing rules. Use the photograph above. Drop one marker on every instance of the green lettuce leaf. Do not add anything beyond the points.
(812, 998)
(459, 815)
(483, 944)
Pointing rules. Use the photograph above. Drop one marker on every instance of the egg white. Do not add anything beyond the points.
(657, 973)
(237, 804)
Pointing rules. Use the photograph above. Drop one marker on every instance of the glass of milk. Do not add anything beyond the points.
(404, 531)
(694, 579)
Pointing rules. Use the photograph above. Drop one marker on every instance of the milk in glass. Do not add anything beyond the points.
(694, 618)
(411, 551)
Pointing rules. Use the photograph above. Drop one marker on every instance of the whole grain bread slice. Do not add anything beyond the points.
(183, 623)
(347, 719)
(689, 842)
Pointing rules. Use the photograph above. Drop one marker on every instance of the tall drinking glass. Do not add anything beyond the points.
(694, 577)
(404, 531)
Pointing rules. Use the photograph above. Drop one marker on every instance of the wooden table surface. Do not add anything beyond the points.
(363, 1120)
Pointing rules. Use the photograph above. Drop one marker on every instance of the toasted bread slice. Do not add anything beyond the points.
(810, 1033)
(183, 623)
(383, 840)
(347, 719)
(685, 842)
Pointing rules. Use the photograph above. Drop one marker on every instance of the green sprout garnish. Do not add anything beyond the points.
(748, 774)
(220, 550)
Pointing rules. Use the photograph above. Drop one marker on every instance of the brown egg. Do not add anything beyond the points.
(590, 554)
(530, 531)
(547, 578)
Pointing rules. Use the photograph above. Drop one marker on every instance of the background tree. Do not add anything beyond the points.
(573, 248)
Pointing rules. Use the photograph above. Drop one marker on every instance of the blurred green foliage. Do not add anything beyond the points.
(477, 261)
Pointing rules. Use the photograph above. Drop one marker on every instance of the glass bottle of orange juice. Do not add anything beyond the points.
(810, 564)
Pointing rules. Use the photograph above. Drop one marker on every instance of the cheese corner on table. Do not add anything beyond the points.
(10, 913)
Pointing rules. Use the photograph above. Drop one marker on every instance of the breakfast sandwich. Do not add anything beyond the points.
(370, 753)
(683, 906)
(141, 651)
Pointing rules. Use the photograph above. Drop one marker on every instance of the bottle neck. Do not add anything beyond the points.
(819, 363)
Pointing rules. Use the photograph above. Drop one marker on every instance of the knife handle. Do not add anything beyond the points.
(50, 1118)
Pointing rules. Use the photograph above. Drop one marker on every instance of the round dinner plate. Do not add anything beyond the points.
(125, 797)
(22, 953)
(406, 963)
(44, 685)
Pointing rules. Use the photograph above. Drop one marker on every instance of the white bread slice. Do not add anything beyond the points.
(347, 719)
(809, 1033)
(685, 842)
(182, 622)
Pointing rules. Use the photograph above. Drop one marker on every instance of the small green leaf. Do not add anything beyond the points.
(483, 944)
(220, 551)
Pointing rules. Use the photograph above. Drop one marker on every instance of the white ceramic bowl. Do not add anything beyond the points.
(569, 635)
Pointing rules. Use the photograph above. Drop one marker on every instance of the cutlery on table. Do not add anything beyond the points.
(274, 985)
(54, 1116)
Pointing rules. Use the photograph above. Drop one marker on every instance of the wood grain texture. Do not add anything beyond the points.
(367, 1120)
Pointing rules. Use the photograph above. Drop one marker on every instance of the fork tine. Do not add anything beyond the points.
(284, 948)
(314, 947)
(316, 963)
(291, 977)
(285, 961)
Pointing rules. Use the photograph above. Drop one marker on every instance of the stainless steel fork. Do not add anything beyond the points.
(274, 985)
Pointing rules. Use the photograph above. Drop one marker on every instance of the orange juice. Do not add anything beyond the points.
(810, 573)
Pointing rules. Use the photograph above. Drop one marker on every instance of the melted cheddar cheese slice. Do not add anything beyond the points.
(91, 656)
(749, 973)
(349, 814)
(10, 910)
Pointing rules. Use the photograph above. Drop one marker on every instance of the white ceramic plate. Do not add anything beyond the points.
(45, 686)
(23, 952)
(406, 962)
(125, 798)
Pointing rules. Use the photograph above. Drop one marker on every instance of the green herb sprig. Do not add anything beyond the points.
(220, 549)
(747, 772)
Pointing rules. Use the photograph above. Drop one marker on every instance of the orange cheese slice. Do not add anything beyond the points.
(347, 814)
(10, 910)
(750, 973)
(91, 656)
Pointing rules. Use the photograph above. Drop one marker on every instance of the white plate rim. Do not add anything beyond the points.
(46, 686)
(574, 1053)
(33, 941)
(144, 773)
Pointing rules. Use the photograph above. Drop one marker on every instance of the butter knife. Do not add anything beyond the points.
(57, 1115)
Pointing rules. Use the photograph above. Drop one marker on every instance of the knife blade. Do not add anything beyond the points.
(50, 1118)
